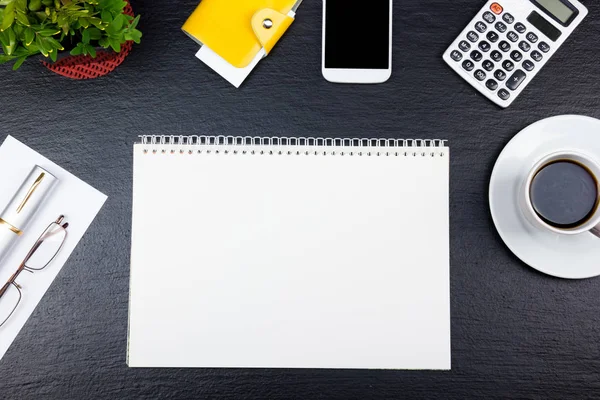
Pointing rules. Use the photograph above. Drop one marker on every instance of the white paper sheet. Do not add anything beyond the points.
(73, 198)
(233, 75)
(313, 261)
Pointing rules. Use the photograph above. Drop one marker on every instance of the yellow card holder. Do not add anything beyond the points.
(238, 29)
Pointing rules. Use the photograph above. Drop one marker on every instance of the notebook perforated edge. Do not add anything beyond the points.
(291, 146)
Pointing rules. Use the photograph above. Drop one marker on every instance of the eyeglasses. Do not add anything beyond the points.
(44, 251)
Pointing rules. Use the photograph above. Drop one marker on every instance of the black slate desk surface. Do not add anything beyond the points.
(515, 333)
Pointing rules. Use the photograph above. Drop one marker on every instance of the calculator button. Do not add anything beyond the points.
(487, 65)
(508, 65)
(503, 94)
(480, 27)
(484, 46)
(496, 8)
(536, 55)
(528, 65)
(472, 36)
(491, 84)
(543, 46)
(523, 45)
(504, 46)
(508, 18)
(476, 56)
(493, 36)
(468, 65)
(501, 27)
(464, 45)
(532, 37)
(500, 75)
(517, 56)
(489, 17)
(496, 55)
(479, 75)
(456, 55)
(515, 80)
(512, 36)
(519, 27)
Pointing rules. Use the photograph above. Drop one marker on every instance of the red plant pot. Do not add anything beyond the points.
(86, 67)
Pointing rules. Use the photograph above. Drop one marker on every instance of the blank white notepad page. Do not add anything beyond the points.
(290, 260)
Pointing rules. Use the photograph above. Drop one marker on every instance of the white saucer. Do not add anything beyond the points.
(563, 256)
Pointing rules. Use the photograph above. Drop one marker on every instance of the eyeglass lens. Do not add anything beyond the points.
(44, 251)
(47, 247)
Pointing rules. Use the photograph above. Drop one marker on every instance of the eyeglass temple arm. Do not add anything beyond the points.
(4, 289)
(12, 280)
(21, 268)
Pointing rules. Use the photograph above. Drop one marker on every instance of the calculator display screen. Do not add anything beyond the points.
(557, 8)
(357, 34)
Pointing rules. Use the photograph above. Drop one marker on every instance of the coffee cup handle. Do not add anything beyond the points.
(596, 231)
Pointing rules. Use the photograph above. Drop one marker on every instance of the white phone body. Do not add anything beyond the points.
(338, 75)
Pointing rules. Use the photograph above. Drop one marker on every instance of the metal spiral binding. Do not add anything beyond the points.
(255, 145)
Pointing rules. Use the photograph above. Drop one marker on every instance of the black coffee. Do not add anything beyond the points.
(564, 194)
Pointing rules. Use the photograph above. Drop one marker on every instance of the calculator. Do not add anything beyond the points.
(509, 41)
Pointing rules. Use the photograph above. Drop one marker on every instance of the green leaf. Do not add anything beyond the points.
(4, 39)
(55, 44)
(120, 21)
(95, 33)
(84, 22)
(134, 23)
(134, 35)
(41, 16)
(6, 59)
(54, 56)
(12, 41)
(29, 36)
(22, 18)
(21, 5)
(114, 28)
(9, 16)
(97, 22)
(41, 45)
(114, 6)
(18, 63)
(48, 32)
(106, 16)
(22, 51)
(35, 5)
(115, 44)
(91, 50)
(78, 50)
(86, 36)
(19, 29)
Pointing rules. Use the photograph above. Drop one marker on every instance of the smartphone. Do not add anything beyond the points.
(357, 41)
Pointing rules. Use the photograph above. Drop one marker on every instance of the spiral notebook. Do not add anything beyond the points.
(290, 253)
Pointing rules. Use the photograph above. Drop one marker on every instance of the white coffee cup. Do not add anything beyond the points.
(591, 224)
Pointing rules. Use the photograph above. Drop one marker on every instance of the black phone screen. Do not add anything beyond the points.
(357, 34)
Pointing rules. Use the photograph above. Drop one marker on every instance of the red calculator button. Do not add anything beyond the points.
(496, 8)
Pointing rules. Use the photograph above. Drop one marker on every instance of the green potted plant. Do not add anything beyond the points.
(33, 27)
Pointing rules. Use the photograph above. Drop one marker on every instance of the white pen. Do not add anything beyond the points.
(23, 206)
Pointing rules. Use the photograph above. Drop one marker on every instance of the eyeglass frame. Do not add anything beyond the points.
(23, 266)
